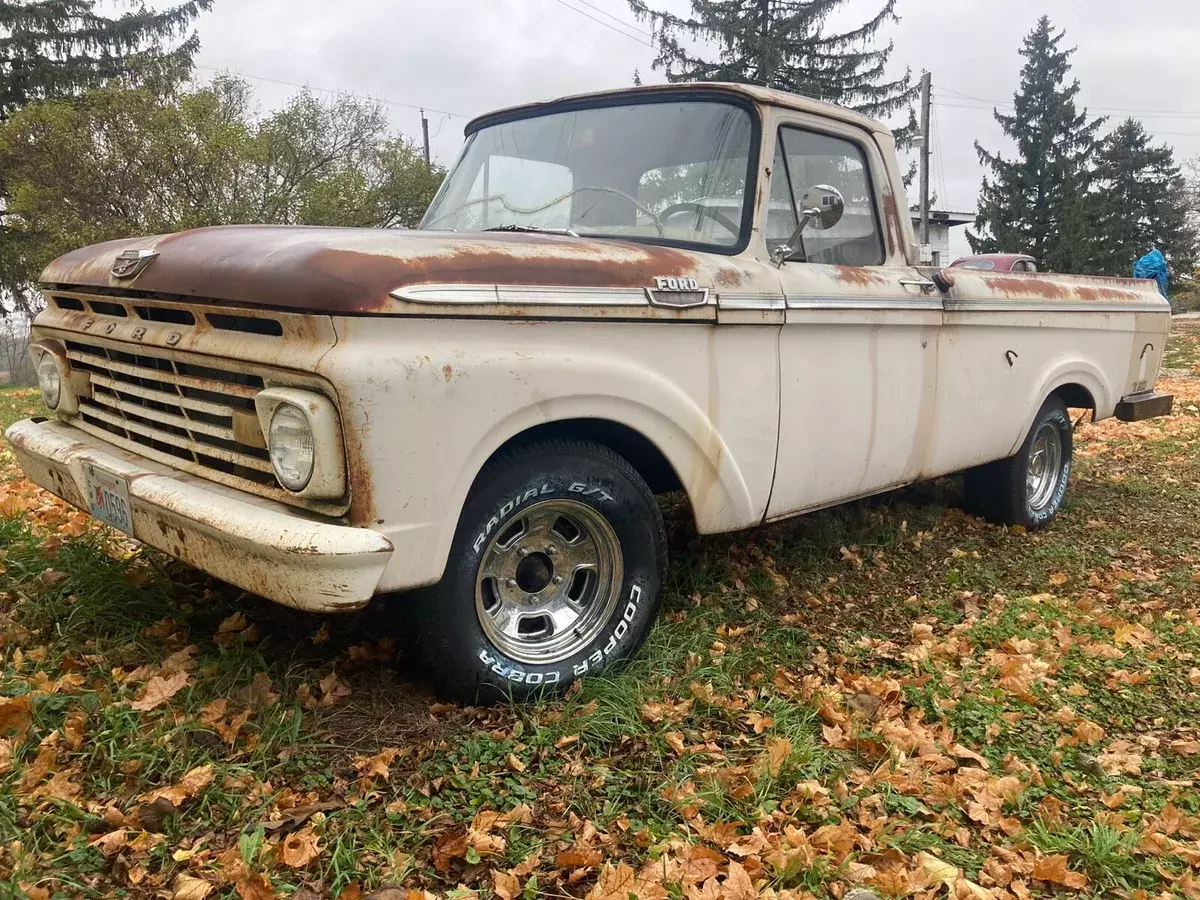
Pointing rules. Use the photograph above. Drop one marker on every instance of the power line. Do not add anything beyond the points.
(946, 90)
(937, 159)
(964, 106)
(605, 24)
(629, 25)
(1152, 129)
(1175, 133)
(1164, 113)
(311, 87)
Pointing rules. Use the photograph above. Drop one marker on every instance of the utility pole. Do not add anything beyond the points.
(425, 132)
(926, 85)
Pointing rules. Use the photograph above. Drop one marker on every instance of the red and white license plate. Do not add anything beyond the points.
(108, 497)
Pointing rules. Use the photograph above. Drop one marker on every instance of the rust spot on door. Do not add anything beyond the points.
(856, 275)
(891, 224)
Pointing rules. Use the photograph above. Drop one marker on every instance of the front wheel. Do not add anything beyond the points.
(1027, 489)
(554, 574)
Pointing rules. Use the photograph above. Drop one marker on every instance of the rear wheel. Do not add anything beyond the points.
(555, 573)
(1029, 488)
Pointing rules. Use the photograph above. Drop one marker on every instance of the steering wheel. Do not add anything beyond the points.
(701, 211)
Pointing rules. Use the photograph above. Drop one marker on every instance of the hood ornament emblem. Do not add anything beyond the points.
(132, 263)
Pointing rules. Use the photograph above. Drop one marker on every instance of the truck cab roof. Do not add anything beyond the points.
(755, 93)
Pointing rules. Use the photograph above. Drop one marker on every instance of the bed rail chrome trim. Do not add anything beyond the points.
(1034, 306)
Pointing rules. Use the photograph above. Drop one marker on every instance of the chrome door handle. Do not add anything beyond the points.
(917, 282)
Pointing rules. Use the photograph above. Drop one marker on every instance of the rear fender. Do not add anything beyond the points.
(1060, 374)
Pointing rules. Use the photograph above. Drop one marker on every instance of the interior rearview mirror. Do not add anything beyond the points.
(822, 209)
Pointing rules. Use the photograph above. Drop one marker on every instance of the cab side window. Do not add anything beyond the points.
(804, 159)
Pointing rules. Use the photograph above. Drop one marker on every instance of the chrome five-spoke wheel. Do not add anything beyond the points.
(554, 575)
(1045, 467)
(549, 581)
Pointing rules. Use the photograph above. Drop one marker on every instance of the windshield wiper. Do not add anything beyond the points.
(533, 229)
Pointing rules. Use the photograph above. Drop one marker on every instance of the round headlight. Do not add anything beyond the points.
(49, 380)
(291, 445)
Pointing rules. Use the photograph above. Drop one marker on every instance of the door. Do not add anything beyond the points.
(858, 350)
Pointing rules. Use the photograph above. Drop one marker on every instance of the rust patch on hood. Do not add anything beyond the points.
(345, 270)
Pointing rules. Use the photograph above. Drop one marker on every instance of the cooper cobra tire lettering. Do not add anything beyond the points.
(517, 676)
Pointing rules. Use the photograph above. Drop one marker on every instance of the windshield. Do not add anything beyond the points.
(669, 172)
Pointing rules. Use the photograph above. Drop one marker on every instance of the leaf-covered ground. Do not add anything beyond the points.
(889, 695)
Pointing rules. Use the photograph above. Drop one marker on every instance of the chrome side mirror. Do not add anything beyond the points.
(823, 208)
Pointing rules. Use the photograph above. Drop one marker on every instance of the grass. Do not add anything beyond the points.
(1183, 352)
(889, 693)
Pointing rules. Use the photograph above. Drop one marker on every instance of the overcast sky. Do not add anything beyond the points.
(466, 57)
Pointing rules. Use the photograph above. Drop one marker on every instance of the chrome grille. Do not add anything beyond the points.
(173, 410)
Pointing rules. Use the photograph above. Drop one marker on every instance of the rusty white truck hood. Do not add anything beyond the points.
(352, 270)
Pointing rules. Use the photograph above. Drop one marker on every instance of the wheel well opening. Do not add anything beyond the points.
(1076, 396)
(636, 449)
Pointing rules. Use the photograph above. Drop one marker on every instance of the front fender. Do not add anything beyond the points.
(425, 404)
(662, 414)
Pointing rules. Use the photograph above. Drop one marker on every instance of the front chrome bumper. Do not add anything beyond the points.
(259, 545)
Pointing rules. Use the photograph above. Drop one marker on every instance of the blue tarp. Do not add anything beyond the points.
(1153, 265)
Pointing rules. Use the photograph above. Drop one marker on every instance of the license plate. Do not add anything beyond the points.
(108, 497)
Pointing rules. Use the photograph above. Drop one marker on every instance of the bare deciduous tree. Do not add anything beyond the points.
(14, 350)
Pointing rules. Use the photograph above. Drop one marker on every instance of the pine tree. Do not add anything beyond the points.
(1138, 203)
(1036, 202)
(56, 49)
(783, 44)
(51, 49)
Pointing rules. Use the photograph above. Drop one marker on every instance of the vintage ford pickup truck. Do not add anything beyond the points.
(707, 288)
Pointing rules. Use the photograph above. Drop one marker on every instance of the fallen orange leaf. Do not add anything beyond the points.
(189, 786)
(159, 690)
(1054, 869)
(185, 887)
(505, 885)
(300, 848)
(738, 884)
(376, 766)
(254, 886)
(16, 714)
(578, 859)
(772, 759)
